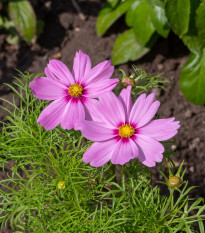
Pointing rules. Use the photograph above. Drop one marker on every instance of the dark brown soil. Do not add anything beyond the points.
(65, 33)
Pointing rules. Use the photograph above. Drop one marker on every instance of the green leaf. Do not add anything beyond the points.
(23, 16)
(192, 79)
(130, 15)
(139, 18)
(159, 20)
(200, 23)
(113, 3)
(191, 39)
(177, 12)
(13, 37)
(192, 42)
(127, 48)
(108, 16)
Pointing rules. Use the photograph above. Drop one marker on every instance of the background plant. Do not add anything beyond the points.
(19, 19)
(94, 199)
(149, 19)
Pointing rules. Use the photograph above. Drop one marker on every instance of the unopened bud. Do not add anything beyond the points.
(61, 185)
(174, 181)
(126, 81)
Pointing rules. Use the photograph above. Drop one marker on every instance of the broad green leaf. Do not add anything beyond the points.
(159, 3)
(108, 16)
(13, 37)
(192, 79)
(191, 39)
(192, 42)
(159, 20)
(23, 16)
(200, 23)
(113, 3)
(140, 19)
(130, 15)
(177, 12)
(126, 48)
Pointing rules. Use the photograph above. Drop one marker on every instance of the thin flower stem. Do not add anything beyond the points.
(168, 203)
(79, 142)
(123, 177)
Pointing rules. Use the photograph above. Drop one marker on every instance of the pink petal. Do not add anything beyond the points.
(140, 107)
(81, 66)
(73, 113)
(150, 150)
(102, 71)
(149, 114)
(161, 129)
(48, 89)
(50, 75)
(111, 109)
(123, 152)
(99, 153)
(95, 131)
(52, 115)
(60, 70)
(94, 90)
(91, 111)
(125, 98)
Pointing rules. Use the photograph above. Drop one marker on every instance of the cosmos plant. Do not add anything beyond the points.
(73, 178)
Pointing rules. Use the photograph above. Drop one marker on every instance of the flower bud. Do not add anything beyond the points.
(61, 185)
(174, 181)
(126, 81)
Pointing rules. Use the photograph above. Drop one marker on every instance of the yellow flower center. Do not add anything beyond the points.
(75, 90)
(126, 131)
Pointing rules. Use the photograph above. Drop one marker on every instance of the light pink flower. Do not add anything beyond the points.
(73, 93)
(123, 131)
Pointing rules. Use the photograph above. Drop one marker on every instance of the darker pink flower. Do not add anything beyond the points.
(73, 93)
(123, 131)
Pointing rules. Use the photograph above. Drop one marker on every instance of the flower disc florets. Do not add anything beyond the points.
(75, 90)
(126, 131)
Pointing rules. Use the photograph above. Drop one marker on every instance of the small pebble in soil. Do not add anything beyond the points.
(188, 113)
(77, 29)
(156, 91)
(173, 147)
(160, 67)
(48, 5)
(191, 169)
(194, 144)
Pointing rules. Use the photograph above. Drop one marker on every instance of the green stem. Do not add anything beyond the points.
(79, 142)
(168, 203)
(123, 177)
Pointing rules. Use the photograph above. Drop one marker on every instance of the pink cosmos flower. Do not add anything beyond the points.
(123, 131)
(73, 93)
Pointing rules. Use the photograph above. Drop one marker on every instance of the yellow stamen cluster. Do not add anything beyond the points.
(126, 131)
(75, 90)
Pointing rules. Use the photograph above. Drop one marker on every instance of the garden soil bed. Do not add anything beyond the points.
(65, 32)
